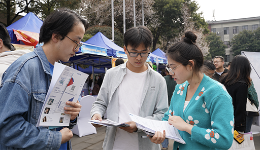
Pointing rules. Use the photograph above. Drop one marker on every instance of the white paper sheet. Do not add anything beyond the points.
(151, 126)
(66, 85)
(108, 122)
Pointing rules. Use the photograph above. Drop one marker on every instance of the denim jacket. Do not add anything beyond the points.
(22, 93)
(154, 103)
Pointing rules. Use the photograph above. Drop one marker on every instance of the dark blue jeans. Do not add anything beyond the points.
(249, 122)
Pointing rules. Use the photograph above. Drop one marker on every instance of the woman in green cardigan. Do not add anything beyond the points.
(201, 109)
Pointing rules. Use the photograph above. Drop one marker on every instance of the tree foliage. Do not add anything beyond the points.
(42, 8)
(98, 12)
(246, 41)
(216, 45)
(171, 20)
(107, 31)
(189, 24)
(10, 9)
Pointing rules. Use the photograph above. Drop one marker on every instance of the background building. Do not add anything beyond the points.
(227, 29)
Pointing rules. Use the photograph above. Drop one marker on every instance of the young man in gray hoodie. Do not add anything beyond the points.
(132, 87)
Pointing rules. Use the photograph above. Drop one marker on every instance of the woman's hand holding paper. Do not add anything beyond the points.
(180, 124)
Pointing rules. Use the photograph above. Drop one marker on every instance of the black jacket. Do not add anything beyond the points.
(216, 76)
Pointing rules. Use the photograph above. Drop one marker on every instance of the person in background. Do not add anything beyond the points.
(218, 61)
(132, 87)
(170, 89)
(26, 82)
(237, 81)
(7, 53)
(119, 61)
(96, 87)
(208, 68)
(198, 103)
(228, 65)
(252, 96)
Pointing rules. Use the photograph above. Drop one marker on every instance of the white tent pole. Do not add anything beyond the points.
(143, 12)
(112, 5)
(124, 15)
(134, 13)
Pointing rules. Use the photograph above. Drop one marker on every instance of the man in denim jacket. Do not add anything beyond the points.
(132, 87)
(25, 84)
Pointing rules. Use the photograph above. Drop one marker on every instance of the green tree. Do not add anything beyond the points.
(10, 9)
(170, 21)
(216, 46)
(44, 7)
(246, 41)
(107, 31)
(98, 12)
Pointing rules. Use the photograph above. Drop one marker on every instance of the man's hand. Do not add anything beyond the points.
(74, 110)
(132, 127)
(66, 135)
(96, 117)
(158, 137)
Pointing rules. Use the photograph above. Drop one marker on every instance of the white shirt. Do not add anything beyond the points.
(185, 105)
(7, 58)
(130, 92)
(220, 73)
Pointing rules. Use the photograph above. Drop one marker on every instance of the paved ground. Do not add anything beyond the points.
(94, 141)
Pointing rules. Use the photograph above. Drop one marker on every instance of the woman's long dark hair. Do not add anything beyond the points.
(240, 70)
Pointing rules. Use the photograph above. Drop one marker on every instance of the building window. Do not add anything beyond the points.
(235, 30)
(245, 27)
(227, 43)
(254, 27)
(226, 30)
(213, 30)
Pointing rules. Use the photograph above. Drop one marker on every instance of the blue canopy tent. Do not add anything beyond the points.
(30, 22)
(89, 70)
(159, 52)
(97, 52)
(159, 56)
(102, 41)
(93, 56)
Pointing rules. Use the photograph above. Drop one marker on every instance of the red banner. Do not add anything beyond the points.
(27, 37)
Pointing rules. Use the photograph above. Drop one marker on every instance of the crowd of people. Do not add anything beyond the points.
(204, 100)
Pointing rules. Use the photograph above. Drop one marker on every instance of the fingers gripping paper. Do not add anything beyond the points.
(151, 126)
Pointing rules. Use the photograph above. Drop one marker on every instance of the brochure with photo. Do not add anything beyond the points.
(66, 85)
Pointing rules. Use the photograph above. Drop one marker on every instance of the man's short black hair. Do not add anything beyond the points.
(61, 22)
(222, 58)
(209, 65)
(4, 35)
(137, 35)
(119, 61)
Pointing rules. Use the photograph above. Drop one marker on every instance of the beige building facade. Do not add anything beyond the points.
(227, 29)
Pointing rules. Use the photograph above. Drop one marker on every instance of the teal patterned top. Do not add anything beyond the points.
(252, 95)
(211, 113)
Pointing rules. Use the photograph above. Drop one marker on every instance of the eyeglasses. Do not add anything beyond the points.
(134, 54)
(215, 62)
(170, 70)
(78, 44)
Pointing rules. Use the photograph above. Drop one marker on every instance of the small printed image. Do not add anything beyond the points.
(44, 119)
(71, 99)
(61, 119)
(50, 101)
(72, 88)
(62, 81)
(47, 110)
(62, 113)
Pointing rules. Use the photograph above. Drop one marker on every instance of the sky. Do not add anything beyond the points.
(229, 9)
